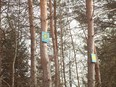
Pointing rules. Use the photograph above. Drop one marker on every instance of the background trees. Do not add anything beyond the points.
(69, 34)
(106, 49)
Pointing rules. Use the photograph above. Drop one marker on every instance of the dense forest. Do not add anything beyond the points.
(57, 43)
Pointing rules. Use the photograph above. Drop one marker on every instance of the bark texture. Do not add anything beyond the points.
(43, 46)
(32, 32)
(54, 46)
(0, 48)
(90, 43)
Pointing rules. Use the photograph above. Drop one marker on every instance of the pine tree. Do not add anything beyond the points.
(90, 43)
(32, 32)
(0, 47)
(54, 40)
(43, 46)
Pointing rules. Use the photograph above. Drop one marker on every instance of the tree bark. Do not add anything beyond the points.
(54, 47)
(55, 19)
(14, 59)
(0, 48)
(90, 43)
(32, 32)
(43, 46)
(70, 73)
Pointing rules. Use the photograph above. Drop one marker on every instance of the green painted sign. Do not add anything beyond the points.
(45, 37)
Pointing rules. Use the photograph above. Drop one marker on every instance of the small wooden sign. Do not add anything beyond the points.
(93, 58)
(45, 37)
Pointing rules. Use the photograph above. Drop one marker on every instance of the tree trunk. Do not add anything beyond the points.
(55, 24)
(0, 48)
(70, 73)
(54, 47)
(43, 46)
(32, 32)
(90, 43)
(14, 59)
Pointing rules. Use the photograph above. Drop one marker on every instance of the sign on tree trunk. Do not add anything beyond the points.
(45, 37)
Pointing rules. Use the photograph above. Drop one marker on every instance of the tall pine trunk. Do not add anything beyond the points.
(90, 43)
(32, 32)
(0, 48)
(54, 46)
(43, 46)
